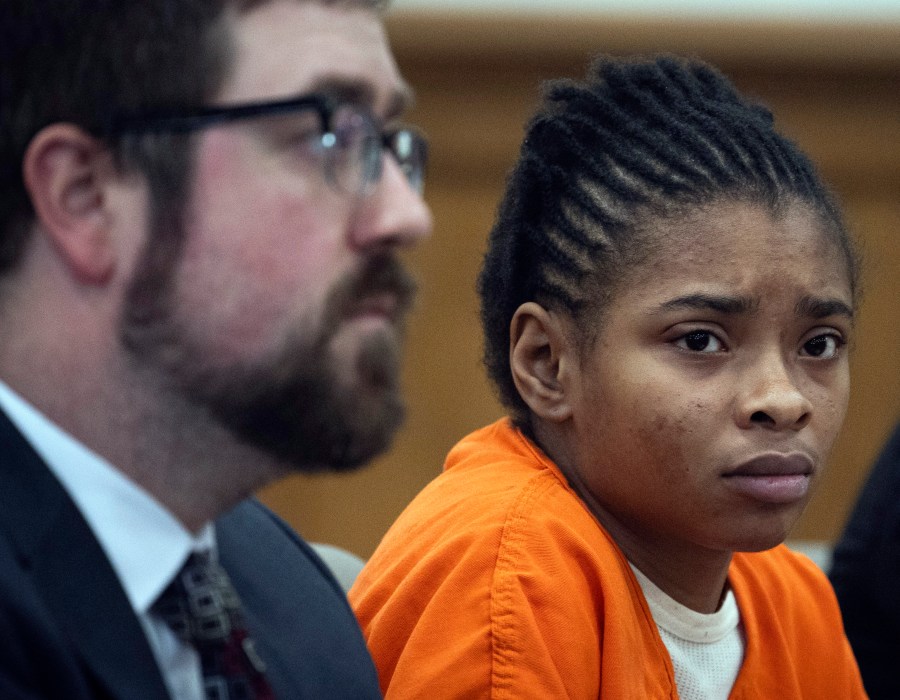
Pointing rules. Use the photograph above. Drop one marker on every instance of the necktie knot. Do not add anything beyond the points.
(200, 605)
(202, 608)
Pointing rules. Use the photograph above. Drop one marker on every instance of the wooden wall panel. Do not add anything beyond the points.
(834, 89)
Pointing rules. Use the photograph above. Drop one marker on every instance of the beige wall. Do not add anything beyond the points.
(835, 90)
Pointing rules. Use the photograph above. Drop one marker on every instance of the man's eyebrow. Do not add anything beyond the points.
(361, 92)
(710, 302)
(818, 307)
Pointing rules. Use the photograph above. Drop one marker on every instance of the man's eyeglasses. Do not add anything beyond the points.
(350, 139)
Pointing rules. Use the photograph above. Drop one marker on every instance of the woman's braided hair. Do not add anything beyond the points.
(639, 140)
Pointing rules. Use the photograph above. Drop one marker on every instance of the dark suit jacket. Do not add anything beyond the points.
(67, 630)
(866, 575)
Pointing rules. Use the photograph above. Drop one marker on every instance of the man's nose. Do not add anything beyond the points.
(394, 214)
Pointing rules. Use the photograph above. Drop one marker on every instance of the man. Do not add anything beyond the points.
(865, 569)
(199, 292)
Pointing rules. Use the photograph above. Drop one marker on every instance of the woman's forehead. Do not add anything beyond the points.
(730, 237)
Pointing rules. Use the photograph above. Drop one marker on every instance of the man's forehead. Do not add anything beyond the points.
(285, 48)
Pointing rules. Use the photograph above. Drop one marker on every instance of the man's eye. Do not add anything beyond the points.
(349, 128)
(700, 341)
(823, 346)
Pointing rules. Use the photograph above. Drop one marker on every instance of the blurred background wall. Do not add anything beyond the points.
(832, 78)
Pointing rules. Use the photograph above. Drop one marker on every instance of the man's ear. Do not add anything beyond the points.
(541, 358)
(65, 171)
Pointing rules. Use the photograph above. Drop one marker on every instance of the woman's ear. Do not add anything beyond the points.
(65, 171)
(541, 359)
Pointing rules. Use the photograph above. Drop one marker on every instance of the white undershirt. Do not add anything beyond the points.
(145, 544)
(706, 649)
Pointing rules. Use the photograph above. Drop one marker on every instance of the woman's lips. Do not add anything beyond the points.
(775, 478)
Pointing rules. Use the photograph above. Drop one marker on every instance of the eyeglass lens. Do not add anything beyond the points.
(354, 151)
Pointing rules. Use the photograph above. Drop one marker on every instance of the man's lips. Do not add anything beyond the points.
(773, 477)
(382, 305)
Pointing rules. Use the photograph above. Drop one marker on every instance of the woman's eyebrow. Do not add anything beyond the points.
(819, 307)
(710, 302)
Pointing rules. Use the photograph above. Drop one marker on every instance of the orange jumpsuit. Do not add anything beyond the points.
(497, 582)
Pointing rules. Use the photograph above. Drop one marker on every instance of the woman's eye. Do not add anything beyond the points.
(823, 346)
(700, 341)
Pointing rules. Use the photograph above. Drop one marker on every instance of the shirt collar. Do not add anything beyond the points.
(143, 541)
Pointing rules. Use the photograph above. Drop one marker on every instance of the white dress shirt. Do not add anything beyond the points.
(145, 544)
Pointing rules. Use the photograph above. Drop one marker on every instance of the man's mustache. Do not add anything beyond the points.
(379, 277)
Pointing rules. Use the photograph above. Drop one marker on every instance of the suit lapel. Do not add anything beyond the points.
(72, 574)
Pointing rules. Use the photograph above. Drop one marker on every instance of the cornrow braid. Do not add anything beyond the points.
(638, 139)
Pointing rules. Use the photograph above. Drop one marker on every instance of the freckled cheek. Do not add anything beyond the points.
(666, 436)
(657, 426)
(828, 418)
(676, 431)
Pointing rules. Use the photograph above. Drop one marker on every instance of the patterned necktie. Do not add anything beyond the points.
(203, 609)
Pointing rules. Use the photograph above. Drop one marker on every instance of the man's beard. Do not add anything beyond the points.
(296, 406)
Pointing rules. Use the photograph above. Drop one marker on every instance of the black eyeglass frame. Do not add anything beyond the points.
(323, 105)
